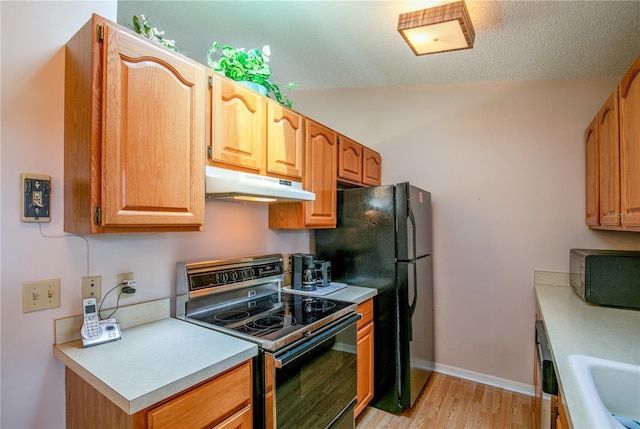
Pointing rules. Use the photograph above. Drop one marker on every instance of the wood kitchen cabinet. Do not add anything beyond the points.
(592, 173)
(285, 142)
(248, 132)
(222, 402)
(630, 146)
(350, 160)
(372, 167)
(134, 135)
(357, 164)
(238, 131)
(609, 153)
(319, 177)
(612, 143)
(561, 419)
(365, 356)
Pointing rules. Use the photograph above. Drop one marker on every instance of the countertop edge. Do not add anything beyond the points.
(244, 350)
(187, 382)
(354, 294)
(575, 327)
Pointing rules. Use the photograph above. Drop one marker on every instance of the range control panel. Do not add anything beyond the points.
(36, 195)
(227, 276)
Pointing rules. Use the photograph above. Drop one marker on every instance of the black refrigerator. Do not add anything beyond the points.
(383, 240)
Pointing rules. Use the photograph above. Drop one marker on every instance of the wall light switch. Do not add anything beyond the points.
(36, 197)
(40, 295)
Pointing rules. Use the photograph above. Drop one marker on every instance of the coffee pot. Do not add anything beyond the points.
(303, 272)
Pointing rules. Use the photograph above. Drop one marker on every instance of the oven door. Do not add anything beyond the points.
(316, 380)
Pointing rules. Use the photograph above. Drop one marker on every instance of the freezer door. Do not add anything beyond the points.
(361, 249)
(413, 207)
(416, 328)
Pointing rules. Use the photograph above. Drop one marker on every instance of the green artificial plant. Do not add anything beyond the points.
(239, 64)
(142, 27)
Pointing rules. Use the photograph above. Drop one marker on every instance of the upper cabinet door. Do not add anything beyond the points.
(371, 167)
(285, 141)
(320, 175)
(591, 155)
(630, 145)
(350, 160)
(153, 138)
(609, 150)
(238, 126)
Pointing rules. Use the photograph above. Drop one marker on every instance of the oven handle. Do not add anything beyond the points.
(308, 345)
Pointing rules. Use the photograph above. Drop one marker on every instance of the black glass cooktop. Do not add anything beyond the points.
(276, 319)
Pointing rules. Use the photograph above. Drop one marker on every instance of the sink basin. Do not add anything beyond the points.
(607, 387)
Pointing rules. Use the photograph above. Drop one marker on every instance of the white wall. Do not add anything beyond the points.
(33, 37)
(505, 164)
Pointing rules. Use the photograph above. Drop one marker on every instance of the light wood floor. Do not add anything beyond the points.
(454, 403)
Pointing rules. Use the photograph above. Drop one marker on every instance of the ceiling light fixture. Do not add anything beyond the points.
(437, 29)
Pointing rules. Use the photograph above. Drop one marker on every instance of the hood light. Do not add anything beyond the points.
(256, 199)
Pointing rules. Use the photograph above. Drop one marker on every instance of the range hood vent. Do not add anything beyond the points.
(231, 184)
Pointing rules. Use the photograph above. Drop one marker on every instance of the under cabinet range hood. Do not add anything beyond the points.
(231, 184)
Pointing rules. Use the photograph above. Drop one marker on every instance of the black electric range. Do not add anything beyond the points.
(243, 297)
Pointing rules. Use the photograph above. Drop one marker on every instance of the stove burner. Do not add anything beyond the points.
(266, 325)
(317, 305)
(275, 322)
(231, 316)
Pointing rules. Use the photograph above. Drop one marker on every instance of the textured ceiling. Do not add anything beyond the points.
(342, 44)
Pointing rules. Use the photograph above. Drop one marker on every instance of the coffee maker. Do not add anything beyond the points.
(303, 272)
(323, 273)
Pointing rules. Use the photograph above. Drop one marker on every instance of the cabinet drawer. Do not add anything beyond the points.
(366, 309)
(207, 404)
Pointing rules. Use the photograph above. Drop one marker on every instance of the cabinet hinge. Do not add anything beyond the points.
(100, 33)
(97, 215)
(338, 139)
(210, 81)
(209, 152)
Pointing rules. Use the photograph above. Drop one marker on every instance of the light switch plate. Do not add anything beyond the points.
(40, 295)
(36, 197)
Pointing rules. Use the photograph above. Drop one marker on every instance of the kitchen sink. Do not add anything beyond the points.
(608, 388)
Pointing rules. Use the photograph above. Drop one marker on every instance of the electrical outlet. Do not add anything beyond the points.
(286, 259)
(40, 295)
(92, 287)
(123, 277)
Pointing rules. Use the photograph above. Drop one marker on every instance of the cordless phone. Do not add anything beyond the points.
(95, 331)
(90, 326)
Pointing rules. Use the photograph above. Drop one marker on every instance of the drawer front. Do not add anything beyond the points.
(207, 404)
(366, 309)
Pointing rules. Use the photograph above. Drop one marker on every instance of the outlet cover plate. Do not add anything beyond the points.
(92, 287)
(40, 295)
(119, 279)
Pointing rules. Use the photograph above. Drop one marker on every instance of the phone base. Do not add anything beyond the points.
(109, 331)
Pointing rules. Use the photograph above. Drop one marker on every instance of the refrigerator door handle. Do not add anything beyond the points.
(412, 306)
(412, 220)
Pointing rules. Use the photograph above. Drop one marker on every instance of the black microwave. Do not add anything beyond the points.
(606, 277)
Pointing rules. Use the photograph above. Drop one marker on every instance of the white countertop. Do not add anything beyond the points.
(575, 327)
(154, 361)
(354, 294)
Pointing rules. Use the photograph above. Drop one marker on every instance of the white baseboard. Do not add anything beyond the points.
(525, 389)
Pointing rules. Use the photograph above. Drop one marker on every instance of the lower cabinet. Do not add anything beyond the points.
(561, 416)
(222, 402)
(365, 356)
